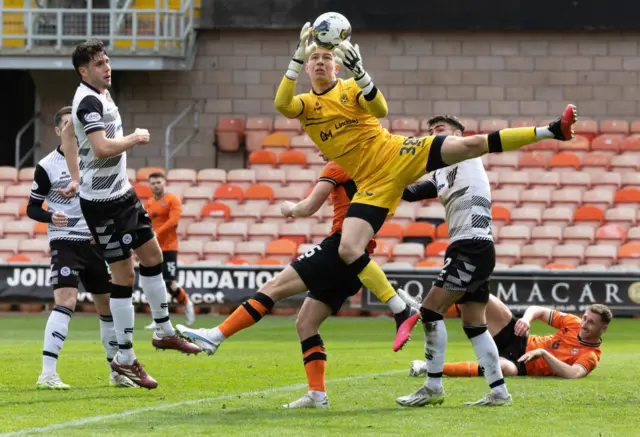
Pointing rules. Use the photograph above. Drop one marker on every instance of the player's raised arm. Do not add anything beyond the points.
(421, 191)
(532, 313)
(371, 98)
(286, 102)
(309, 206)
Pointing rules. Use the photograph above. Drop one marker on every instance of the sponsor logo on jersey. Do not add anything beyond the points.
(93, 116)
(344, 123)
(324, 136)
(574, 351)
(344, 99)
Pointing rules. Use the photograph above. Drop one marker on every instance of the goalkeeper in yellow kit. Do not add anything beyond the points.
(341, 117)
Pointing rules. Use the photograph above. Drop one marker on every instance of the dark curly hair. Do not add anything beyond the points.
(85, 52)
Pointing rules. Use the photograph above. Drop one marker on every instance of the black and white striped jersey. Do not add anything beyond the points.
(51, 173)
(464, 191)
(103, 179)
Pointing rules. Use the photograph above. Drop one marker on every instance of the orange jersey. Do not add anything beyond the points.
(565, 345)
(165, 214)
(343, 191)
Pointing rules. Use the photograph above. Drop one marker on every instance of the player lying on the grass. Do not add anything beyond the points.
(320, 271)
(464, 191)
(341, 117)
(165, 209)
(572, 352)
(73, 259)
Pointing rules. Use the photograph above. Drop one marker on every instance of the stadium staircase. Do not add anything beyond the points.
(144, 34)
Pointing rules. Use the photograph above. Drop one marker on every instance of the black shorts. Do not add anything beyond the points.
(511, 346)
(73, 261)
(118, 226)
(170, 265)
(468, 265)
(326, 275)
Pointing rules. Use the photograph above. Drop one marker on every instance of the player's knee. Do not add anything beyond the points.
(305, 327)
(473, 331)
(508, 368)
(172, 287)
(66, 297)
(350, 251)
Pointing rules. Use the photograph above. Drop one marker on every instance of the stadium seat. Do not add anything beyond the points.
(252, 251)
(600, 197)
(428, 264)
(537, 254)
(560, 215)
(408, 252)
(233, 231)
(546, 234)
(8, 175)
(607, 143)
(197, 194)
(19, 258)
(442, 232)
(611, 234)
(436, 250)
(432, 214)
(25, 175)
(300, 177)
(191, 212)
(595, 163)
(142, 174)
(630, 179)
(212, 177)
(231, 194)
(405, 214)
(525, 122)
(181, 176)
(390, 232)
(515, 234)
(531, 160)
(256, 129)
(183, 226)
(292, 158)
(544, 178)
(319, 231)
(627, 195)
(178, 189)
(269, 262)
(633, 234)
(17, 193)
(536, 197)
(263, 232)
(559, 266)
(272, 214)
(237, 262)
(191, 250)
(622, 215)
(630, 143)
(508, 254)
(229, 133)
(131, 175)
(271, 176)
(405, 127)
(215, 212)
(614, 127)
(419, 232)
(500, 215)
(569, 197)
(18, 229)
(201, 231)
(291, 194)
(11, 210)
(315, 161)
(575, 179)
(527, 215)
(288, 126)
(513, 180)
(259, 192)
(548, 145)
(604, 254)
(586, 128)
(382, 253)
(572, 254)
(564, 161)
(502, 161)
(591, 267)
(143, 191)
(218, 251)
(488, 126)
(580, 235)
(299, 233)
(609, 179)
(579, 143)
(588, 214)
(494, 178)
(262, 159)
(625, 163)
(282, 249)
(629, 254)
(276, 142)
(303, 142)
(34, 247)
(241, 177)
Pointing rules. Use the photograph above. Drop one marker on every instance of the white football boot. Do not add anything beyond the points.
(198, 337)
(491, 399)
(51, 381)
(307, 401)
(421, 397)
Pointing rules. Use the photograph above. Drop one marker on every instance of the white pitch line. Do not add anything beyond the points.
(87, 420)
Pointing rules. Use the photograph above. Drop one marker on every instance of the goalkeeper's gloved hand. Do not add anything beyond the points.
(302, 53)
(350, 57)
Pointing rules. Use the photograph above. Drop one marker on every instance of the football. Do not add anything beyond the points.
(330, 29)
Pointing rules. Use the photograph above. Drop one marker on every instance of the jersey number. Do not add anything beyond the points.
(411, 143)
(171, 266)
(309, 253)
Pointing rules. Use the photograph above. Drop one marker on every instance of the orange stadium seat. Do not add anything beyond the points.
(588, 214)
(631, 143)
(436, 250)
(546, 234)
(18, 229)
(488, 126)
(237, 262)
(611, 234)
(264, 158)
(563, 161)
(292, 157)
(627, 195)
(390, 232)
(276, 141)
(201, 231)
(586, 128)
(419, 232)
(25, 175)
(197, 193)
(269, 262)
(218, 251)
(608, 142)
(215, 212)
(271, 176)
(442, 231)
(233, 231)
(559, 266)
(382, 253)
(283, 250)
(19, 258)
(143, 191)
(428, 264)
(231, 194)
(629, 253)
(288, 126)
(515, 234)
(241, 177)
(259, 192)
(408, 252)
(251, 250)
(256, 129)
(500, 214)
(229, 133)
(40, 229)
(614, 127)
(142, 174)
(212, 177)
(263, 232)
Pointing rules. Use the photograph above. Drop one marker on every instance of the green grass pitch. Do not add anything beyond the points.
(238, 391)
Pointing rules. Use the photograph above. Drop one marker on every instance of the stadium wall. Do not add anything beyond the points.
(472, 74)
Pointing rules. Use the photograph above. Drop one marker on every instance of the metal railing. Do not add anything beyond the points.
(194, 110)
(158, 29)
(19, 161)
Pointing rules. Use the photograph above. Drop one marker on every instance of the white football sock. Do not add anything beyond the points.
(156, 291)
(543, 133)
(215, 335)
(55, 333)
(396, 304)
(123, 321)
(108, 336)
(488, 359)
(435, 346)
